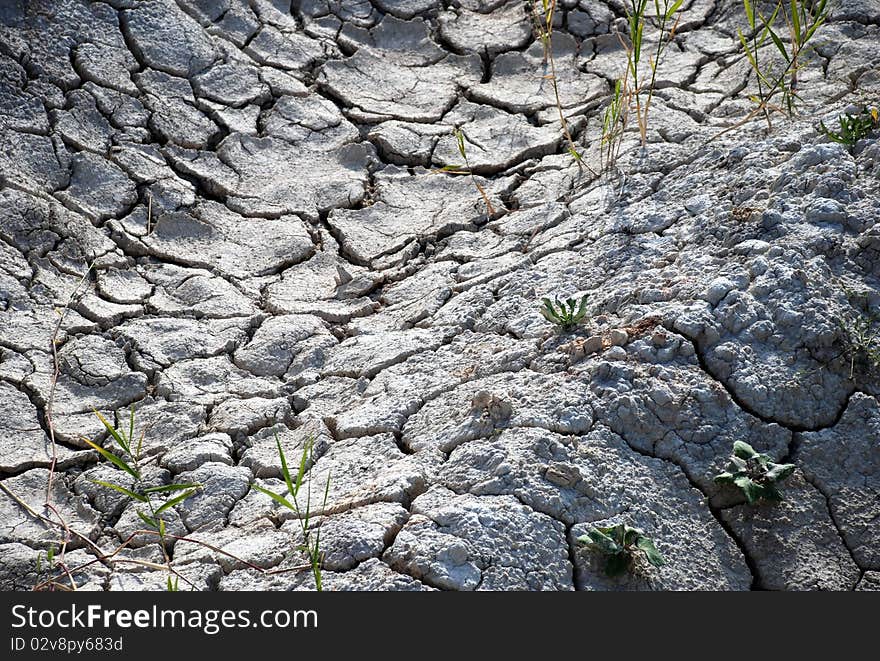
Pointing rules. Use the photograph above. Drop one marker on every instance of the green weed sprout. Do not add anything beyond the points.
(614, 121)
(853, 127)
(619, 544)
(312, 541)
(802, 19)
(862, 341)
(50, 560)
(565, 314)
(666, 17)
(754, 473)
(634, 90)
(155, 500)
(152, 502)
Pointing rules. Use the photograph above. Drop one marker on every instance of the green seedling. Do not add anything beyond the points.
(634, 89)
(565, 314)
(862, 342)
(666, 17)
(755, 474)
(614, 122)
(50, 559)
(619, 545)
(312, 545)
(801, 19)
(153, 501)
(853, 127)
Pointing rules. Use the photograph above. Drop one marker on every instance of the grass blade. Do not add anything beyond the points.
(112, 458)
(174, 501)
(779, 44)
(150, 521)
(131, 426)
(131, 494)
(274, 496)
(303, 462)
(748, 51)
(459, 137)
(112, 430)
(284, 470)
(172, 487)
(750, 14)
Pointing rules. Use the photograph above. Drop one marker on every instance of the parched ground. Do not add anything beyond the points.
(254, 184)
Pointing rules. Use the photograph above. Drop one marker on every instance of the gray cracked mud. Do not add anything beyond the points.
(252, 195)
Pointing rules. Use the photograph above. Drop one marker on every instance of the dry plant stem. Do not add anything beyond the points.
(795, 52)
(762, 107)
(50, 423)
(56, 372)
(105, 558)
(548, 53)
(633, 55)
(111, 557)
(754, 113)
(490, 210)
(30, 510)
(578, 159)
(455, 169)
(149, 214)
(544, 26)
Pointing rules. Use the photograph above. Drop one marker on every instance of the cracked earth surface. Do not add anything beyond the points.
(254, 182)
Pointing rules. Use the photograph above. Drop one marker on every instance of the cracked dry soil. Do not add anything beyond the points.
(273, 253)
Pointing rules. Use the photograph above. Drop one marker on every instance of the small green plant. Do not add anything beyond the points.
(634, 89)
(312, 540)
(802, 19)
(853, 127)
(754, 473)
(666, 17)
(153, 500)
(565, 314)
(50, 561)
(861, 335)
(614, 122)
(619, 544)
